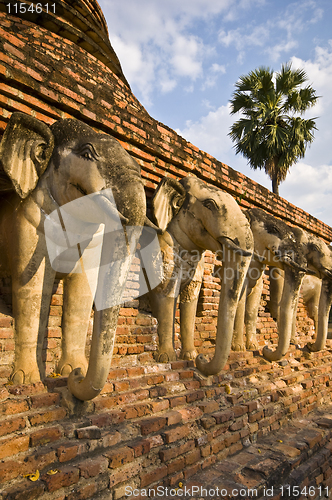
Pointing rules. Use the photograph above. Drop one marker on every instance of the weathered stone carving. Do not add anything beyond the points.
(316, 291)
(295, 253)
(197, 217)
(47, 169)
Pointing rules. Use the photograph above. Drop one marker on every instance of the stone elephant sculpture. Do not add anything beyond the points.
(44, 170)
(316, 289)
(196, 217)
(275, 244)
(291, 251)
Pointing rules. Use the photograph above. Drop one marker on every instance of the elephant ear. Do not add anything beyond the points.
(25, 150)
(167, 201)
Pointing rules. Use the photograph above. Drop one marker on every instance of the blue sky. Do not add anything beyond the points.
(183, 57)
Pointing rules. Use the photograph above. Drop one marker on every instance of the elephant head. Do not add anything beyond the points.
(51, 169)
(316, 287)
(202, 217)
(319, 257)
(280, 246)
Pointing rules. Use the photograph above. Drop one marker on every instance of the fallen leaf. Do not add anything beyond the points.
(33, 477)
(52, 472)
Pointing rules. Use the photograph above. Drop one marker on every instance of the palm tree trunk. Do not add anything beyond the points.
(275, 185)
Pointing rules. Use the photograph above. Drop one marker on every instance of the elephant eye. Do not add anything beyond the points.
(87, 156)
(86, 151)
(210, 204)
(80, 189)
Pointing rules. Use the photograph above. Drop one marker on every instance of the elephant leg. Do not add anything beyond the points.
(325, 302)
(187, 329)
(288, 306)
(276, 286)
(293, 333)
(163, 308)
(77, 307)
(238, 339)
(251, 314)
(188, 307)
(31, 303)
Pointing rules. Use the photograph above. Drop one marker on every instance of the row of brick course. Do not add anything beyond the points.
(152, 425)
(294, 462)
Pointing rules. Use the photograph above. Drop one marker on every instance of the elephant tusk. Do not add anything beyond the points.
(312, 272)
(233, 246)
(109, 209)
(150, 224)
(290, 262)
(327, 273)
(258, 257)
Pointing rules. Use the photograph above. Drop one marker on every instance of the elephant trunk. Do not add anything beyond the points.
(107, 283)
(88, 387)
(288, 306)
(108, 297)
(325, 302)
(234, 272)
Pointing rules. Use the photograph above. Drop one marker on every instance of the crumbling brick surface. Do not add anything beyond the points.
(257, 425)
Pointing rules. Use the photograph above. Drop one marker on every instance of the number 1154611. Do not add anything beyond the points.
(23, 8)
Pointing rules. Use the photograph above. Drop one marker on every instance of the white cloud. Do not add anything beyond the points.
(310, 188)
(210, 132)
(151, 35)
(244, 37)
(186, 59)
(212, 75)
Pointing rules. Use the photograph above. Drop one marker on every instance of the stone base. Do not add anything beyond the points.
(257, 424)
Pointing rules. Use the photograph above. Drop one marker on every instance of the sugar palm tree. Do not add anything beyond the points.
(271, 134)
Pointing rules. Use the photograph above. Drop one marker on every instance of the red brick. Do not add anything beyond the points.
(93, 467)
(193, 457)
(83, 493)
(177, 401)
(125, 473)
(176, 465)
(141, 447)
(67, 452)
(119, 456)
(169, 453)
(152, 425)
(10, 447)
(12, 425)
(67, 476)
(209, 406)
(173, 417)
(48, 416)
(159, 405)
(44, 436)
(11, 407)
(25, 491)
(9, 470)
(91, 432)
(153, 476)
(223, 416)
(108, 419)
(41, 400)
(176, 434)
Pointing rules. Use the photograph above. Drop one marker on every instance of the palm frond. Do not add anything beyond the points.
(269, 134)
